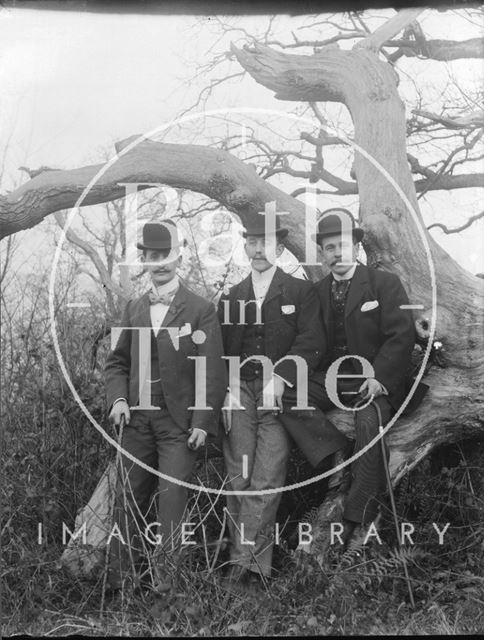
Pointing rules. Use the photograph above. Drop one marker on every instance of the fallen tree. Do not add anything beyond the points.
(366, 85)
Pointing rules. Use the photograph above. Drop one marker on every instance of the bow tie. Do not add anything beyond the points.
(165, 299)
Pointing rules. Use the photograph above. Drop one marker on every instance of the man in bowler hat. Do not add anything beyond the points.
(269, 314)
(362, 316)
(152, 382)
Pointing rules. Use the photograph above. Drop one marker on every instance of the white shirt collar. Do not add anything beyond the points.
(264, 277)
(346, 276)
(166, 288)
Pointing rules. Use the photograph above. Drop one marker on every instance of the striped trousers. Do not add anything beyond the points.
(368, 481)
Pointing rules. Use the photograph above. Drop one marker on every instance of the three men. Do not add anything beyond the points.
(269, 316)
(277, 330)
(151, 381)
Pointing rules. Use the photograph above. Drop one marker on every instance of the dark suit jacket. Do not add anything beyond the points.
(177, 372)
(385, 335)
(291, 318)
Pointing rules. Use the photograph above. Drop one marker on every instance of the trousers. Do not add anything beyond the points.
(155, 439)
(259, 435)
(368, 480)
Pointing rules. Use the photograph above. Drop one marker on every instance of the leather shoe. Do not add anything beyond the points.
(348, 528)
(358, 536)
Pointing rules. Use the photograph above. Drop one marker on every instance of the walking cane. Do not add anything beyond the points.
(111, 518)
(392, 500)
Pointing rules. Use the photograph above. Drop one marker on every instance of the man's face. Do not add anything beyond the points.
(255, 248)
(333, 248)
(163, 273)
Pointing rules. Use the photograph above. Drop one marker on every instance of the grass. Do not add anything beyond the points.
(371, 597)
(49, 602)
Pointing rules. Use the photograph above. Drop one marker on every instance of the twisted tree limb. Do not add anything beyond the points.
(454, 407)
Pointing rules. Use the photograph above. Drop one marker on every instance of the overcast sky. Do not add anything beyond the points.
(73, 83)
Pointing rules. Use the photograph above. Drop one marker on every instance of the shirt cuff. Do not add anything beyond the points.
(383, 388)
(289, 384)
(118, 399)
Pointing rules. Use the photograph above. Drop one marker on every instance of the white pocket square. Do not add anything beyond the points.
(186, 330)
(288, 308)
(370, 305)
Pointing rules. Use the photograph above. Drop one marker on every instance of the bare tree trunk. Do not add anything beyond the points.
(367, 86)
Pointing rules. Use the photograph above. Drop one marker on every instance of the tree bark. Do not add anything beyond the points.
(389, 29)
(367, 86)
(215, 173)
(444, 50)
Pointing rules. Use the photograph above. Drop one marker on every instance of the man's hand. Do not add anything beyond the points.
(119, 408)
(196, 439)
(369, 388)
(277, 386)
(231, 402)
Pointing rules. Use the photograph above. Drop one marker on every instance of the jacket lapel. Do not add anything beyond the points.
(141, 312)
(326, 300)
(275, 288)
(141, 318)
(357, 288)
(236, 333)
(243, 293)
(176, 307)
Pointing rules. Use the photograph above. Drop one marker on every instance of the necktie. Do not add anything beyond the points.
(165, 299)
(339, 290)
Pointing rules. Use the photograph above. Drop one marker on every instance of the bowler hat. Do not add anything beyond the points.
(257, 228)
(157, 236)
(330, 225)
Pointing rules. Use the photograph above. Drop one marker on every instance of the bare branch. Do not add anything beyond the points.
(213, 172)
(436, 49)
(457, 229)
(390, 28)
(435, 183)
(317, 112)
(416, 167)
(447, 182)
(470, 121)
(322, 140)
(441, 172)
(32, 173)
(318, 43)
(90, 251)
(441, 50)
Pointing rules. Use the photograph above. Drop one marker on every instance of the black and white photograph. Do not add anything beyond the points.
(242, 305)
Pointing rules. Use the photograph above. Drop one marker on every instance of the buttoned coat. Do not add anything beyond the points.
(292, 325)
(188, 312)
(376, 326)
